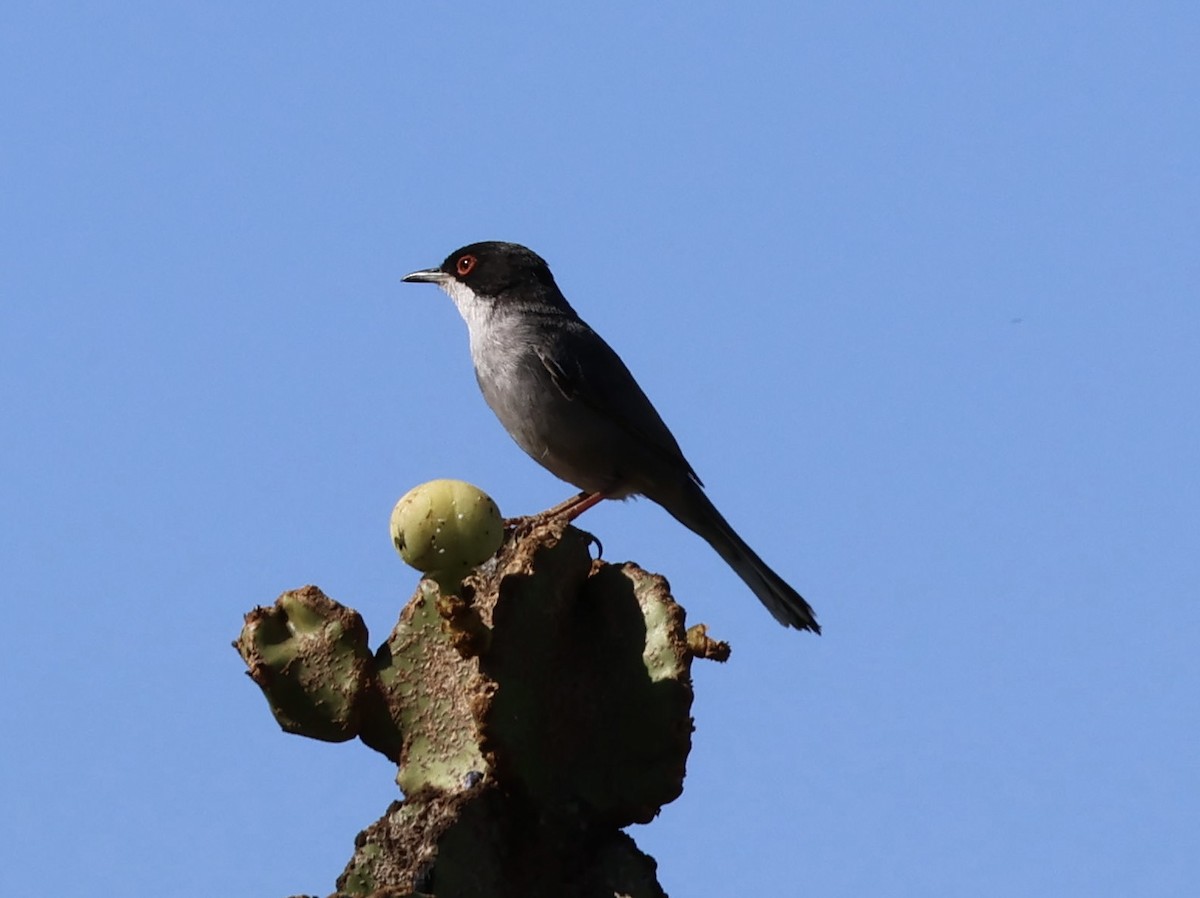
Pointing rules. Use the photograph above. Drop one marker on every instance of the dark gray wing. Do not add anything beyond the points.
(586, 369)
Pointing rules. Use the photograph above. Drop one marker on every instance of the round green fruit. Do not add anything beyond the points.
(446, 527)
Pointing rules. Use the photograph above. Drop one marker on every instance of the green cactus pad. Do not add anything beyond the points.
(429, 690)
(593, 686)
(309, 656)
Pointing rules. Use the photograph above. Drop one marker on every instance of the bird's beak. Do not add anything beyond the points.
(426, 276)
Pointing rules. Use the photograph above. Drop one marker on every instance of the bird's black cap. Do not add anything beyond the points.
(490, 268)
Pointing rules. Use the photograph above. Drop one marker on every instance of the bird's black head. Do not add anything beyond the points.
(492, 268)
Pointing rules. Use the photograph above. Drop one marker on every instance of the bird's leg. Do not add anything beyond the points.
(563, 507)
(582, 503)
(573, 507)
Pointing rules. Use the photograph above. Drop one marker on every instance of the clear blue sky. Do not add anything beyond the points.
(917, 286)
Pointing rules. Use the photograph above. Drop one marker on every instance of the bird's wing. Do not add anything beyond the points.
(585, 369)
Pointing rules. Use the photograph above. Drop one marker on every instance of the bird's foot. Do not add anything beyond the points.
(563, 513)
(567, 511)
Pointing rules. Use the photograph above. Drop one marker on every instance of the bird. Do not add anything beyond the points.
(566, 398)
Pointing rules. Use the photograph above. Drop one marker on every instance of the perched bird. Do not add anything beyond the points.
(569, 401)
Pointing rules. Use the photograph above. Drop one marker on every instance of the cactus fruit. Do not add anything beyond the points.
(444, 528)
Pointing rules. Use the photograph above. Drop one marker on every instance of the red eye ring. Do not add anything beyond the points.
(465, 265)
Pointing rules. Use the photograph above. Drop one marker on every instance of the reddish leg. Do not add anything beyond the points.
(575, 506)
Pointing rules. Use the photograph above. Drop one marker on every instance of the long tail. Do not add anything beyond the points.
(692, 508)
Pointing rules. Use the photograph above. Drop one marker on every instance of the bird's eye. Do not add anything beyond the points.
(465, 265)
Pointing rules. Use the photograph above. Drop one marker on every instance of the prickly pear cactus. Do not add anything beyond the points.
(532, 713)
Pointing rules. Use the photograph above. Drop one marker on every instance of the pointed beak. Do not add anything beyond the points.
(426, 276)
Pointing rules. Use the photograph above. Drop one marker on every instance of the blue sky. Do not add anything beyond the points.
(915, 286)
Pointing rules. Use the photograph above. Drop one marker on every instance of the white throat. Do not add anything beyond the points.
(474, 311)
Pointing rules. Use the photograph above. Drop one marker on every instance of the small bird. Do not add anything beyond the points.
(569, 401)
